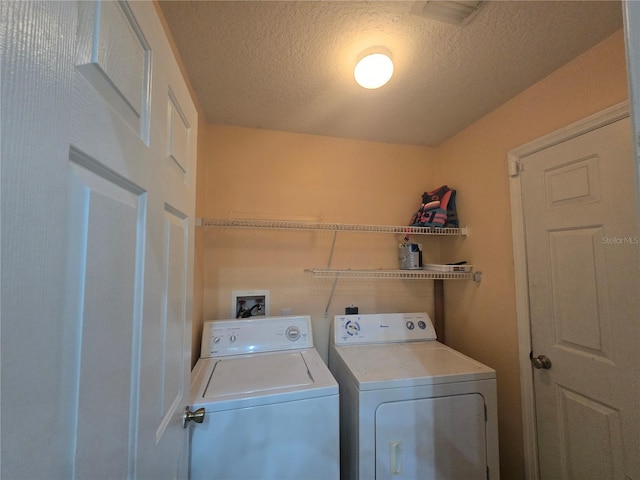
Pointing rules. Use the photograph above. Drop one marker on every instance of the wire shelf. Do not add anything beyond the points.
(389, 274)
(333, 227)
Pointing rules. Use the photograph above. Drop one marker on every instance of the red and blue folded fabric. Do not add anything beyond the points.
(438, 209)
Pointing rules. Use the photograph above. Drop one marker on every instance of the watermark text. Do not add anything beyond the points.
(620, 240)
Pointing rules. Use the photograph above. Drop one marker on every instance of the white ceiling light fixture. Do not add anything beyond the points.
(374, 69)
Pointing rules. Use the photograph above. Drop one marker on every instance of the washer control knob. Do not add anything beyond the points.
(293, 333)
(216, 339)
(232, 338)
(410, 325)
(422, 325)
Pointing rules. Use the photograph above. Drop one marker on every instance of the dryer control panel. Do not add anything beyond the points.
(255, 335)
(382, 328)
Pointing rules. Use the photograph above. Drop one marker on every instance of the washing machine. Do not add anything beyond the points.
(271, 404)
(411, 407)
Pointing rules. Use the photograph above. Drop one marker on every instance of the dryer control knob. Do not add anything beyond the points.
(410, 325)
(352, 327)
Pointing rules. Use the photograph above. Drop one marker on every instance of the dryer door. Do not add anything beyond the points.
(440, 438)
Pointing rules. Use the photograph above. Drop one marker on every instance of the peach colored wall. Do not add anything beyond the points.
(481, 318)
(262, 174)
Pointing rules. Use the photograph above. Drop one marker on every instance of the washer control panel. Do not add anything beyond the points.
(255, 335)
(382, 327)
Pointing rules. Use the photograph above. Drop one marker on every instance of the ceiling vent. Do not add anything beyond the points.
(454, 12)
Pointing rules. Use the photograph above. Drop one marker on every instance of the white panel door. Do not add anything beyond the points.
(582, 243)
(99, 168)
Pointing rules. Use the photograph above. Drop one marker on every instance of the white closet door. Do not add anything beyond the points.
(100, 165)
(582, 243)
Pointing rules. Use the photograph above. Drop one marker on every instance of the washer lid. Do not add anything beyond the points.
(396, 365)
(248, 375)
(260, 379)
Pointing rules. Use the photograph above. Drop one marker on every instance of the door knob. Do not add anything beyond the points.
(197, 416)
(541, 361)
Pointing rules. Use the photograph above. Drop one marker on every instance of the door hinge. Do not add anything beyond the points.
(515, 168)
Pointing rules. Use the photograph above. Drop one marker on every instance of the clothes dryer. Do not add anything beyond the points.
(271, 403)
(411, 407)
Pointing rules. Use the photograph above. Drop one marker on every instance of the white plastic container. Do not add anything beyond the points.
(448, 268)
(410, 257)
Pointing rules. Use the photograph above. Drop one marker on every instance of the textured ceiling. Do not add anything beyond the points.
(288, 65)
